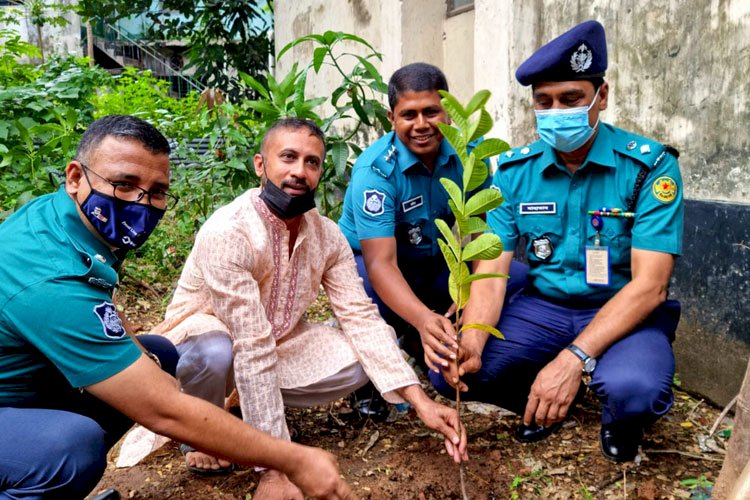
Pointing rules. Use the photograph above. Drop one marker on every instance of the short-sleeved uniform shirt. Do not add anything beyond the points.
(392, 194)
(548, 205)
(58, 327)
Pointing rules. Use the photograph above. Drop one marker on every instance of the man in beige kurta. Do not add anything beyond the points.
(254, 270)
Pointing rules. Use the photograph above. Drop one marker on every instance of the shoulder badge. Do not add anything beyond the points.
(664, 189)
(374, 203)
(581, 59)
(111, 324)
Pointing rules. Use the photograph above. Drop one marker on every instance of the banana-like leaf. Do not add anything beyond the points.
(448, 235)
(484, 125)
(479, 174)
(483, 201)
(453, 191)
(490, 147)
(479, 100)
(485, 247)
(485, 328)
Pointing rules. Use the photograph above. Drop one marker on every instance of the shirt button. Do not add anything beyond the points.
(574, 231)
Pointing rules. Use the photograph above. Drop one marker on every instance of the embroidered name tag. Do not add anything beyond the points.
(412, 204)
(537, 208)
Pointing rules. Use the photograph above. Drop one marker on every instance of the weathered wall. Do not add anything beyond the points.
(63, 41)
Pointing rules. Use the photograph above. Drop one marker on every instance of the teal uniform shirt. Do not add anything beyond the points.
(392, 194)
(58, 327)
(545, 203)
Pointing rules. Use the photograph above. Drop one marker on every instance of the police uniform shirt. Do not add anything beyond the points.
(58, 327)
(548, 206)
(392, 194)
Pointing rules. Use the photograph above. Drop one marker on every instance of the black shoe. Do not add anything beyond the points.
(534, 432)
(620, 443)
(368, 403)
(109, 494)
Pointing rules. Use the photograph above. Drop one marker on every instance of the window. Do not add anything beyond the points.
(459, 6)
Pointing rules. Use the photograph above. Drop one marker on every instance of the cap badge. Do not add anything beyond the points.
(581, 59)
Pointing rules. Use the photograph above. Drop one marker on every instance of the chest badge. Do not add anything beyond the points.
(111, 323)
(415, 235)
(542, 248)
(374, 202)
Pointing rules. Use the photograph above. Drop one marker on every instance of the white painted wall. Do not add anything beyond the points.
(62, 41)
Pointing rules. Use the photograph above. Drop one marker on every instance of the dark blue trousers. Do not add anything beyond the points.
(632, 379)
(58, 449)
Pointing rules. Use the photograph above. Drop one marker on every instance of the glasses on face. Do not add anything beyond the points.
(126, 191)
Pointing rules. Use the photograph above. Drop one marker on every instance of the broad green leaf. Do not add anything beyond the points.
(359, 109)
(479, 174)
(267, 109)
(355, 38)
(461, 221)
(476, 225)
(483, 201)
(294, 43)
(255, 84)
(484, 125)
(454, 285)
(489, 147)
(339, 156)
(332, 36)
(454, 138)
(371, 70)
(452, 106)
(450, 259)
(454, 192)
(319, 54)
(479, 100)
(485, 328)
(286, 87)
(484, 247)
(336, 94)
(448, 235)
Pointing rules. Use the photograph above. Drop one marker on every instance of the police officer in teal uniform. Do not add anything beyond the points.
(599, 211)
(389, 210)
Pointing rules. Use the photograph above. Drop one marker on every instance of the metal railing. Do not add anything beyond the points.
(120, 43)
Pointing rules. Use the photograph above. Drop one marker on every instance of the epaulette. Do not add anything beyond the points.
(643, 150)
(520, 154)
(385, 161)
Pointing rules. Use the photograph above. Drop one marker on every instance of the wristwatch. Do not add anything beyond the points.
(589, 363)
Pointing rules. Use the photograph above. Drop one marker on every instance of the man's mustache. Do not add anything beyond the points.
(296, 184)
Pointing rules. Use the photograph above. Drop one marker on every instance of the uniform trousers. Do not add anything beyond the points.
(632, 379)
(58, 448)
(206, 370)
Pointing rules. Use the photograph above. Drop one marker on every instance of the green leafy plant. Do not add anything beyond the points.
(356, 103)
(469, 209)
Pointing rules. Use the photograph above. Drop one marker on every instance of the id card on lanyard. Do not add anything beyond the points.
(597, 257)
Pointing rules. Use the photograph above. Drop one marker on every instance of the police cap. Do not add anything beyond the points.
(577, 54)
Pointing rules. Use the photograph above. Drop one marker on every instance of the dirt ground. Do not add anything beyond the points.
(404, 460)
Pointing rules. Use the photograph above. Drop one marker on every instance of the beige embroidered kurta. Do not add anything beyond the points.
(240, 278)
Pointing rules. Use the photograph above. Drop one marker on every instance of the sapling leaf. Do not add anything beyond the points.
(453, 191)
(479, 173)
(485, 328)
(454, 138)
(489, 147)
(319, 54)
(479, 100)
(450, 258)
(448, 235)
(484, 247)
(483, 201)
(484, 125)
(475, 225)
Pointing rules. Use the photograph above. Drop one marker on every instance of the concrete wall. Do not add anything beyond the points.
(63, 41)
(679, 71)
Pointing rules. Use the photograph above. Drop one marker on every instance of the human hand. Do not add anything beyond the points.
(438, 340)
(444, 420)
(553, 390)
(469, 361)
(274, 485)
(316, 472)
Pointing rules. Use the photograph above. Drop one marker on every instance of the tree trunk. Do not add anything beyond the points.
(40, 40)
(738, 450)
(90, 43)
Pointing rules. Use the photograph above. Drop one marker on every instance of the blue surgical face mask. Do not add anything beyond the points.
(122, 224)
(566, 129)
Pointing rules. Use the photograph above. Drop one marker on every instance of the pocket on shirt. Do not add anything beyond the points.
(535, 226)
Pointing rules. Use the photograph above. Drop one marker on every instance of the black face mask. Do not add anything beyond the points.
(283, 204)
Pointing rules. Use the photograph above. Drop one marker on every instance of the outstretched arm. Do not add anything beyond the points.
(161, 407)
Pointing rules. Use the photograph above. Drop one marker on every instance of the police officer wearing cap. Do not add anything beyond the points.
(389, 212)
(599, 213)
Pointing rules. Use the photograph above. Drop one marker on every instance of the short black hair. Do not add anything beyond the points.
(416, 77)
(294, 123)
(124, 127)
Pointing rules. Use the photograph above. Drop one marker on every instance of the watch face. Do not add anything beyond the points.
(590, 365)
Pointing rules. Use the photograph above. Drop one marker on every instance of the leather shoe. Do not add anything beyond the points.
(533, 433)
(620, 444)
